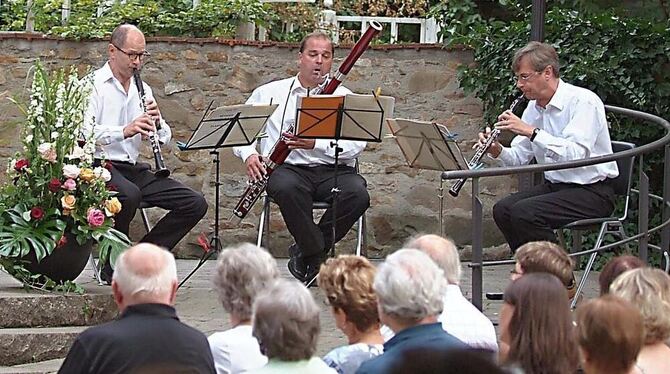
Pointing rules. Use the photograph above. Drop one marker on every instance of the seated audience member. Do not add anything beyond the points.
(459, 318)
(453, 361)
(286, 324)
(649, 291)
(545, 257)
(409, 289)
(347, 283)
(536, 332)
(616, 267)
(241, 273)
(610, 335)
(147, 337)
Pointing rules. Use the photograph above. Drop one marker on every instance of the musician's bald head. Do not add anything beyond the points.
(120, 34)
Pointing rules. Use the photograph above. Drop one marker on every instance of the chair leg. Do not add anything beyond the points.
(589, 265)
(359, 235)
(145, 219)
(96, 271)
(264, 223)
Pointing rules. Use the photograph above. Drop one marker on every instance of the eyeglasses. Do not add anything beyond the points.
(525, 76)
(133, 55)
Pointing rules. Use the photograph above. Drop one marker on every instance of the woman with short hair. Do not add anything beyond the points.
(286, 325)
(536, 333)
(649, 290)
(347, 283)
(610, 335)
(241, 273)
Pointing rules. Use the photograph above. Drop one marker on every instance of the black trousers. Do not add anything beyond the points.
(295, 188)
(136, 183)
(533, 215)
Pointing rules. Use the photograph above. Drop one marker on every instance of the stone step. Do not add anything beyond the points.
(29, 345)
(42, 367)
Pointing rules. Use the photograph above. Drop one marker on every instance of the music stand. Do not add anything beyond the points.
(428, 145)
(350, 117)
(223, 127)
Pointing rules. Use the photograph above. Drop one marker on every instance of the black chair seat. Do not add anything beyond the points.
(589, 223)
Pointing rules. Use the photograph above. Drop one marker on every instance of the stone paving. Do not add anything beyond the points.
(197, 303)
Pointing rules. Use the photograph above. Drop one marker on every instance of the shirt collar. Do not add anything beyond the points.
(413, 332)
(155, 309)
(559, 99)
(106, 72)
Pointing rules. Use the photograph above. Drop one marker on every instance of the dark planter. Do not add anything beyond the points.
(64, 263)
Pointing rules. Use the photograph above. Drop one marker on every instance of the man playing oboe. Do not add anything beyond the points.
(561, 123)
(307, 175)
(120, 125)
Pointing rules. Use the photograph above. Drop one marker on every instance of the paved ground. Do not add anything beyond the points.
(197, 304)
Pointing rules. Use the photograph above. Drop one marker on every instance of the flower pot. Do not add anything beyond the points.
(64, 263)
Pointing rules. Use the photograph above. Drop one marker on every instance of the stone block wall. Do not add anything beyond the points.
(187, 74)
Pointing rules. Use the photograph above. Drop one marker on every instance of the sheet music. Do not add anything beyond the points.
(427, 145)
(364, 115)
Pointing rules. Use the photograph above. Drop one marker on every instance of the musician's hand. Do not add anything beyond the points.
(295, 142)
(140, 125)
(509, 121)
(152, 110)
(495, 148)
(255, 167)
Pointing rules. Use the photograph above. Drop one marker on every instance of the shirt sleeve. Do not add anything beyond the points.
(103, 134)
(578, 137)
(243, 152)
(77, 360)
(520, 152)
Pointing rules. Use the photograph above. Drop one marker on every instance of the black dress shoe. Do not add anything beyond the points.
(297, 268)
(106, 276)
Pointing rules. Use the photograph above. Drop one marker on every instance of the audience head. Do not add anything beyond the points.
(409, 288)
(441, 250)
(144, 273)
(347, 283)
(428, 360)
(286, 321)
(536, 325)
(610, 335)
(544, 257)
(242, 272)
(649, 290)
(616, 267)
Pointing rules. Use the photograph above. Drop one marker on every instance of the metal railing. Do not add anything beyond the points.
(642, 237)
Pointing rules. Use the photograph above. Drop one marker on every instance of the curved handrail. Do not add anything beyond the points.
(492, 172)
(643, 204)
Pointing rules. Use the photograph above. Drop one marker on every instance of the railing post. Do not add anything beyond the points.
(643, 212)
(431, 30)
(477, 257)
(196, 3)
(65, 12)
(30, 17)
(394, 32)
(665, 233)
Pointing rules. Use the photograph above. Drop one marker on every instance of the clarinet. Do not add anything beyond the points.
(160, 171)
(481, 151)
(280, 150)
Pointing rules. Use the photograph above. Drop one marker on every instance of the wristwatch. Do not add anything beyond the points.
(534, 134)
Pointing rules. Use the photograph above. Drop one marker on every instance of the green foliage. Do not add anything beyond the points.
(21, 236)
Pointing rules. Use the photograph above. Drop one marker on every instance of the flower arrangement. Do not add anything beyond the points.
(55, 192)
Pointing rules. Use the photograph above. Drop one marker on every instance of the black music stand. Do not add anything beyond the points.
(350, 117)
(223, 127)
(428, 145)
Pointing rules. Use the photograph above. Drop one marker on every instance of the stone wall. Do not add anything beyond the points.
(187, 74)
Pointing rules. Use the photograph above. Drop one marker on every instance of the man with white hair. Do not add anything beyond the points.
(147, 337)
(409, 289)
(459, 318)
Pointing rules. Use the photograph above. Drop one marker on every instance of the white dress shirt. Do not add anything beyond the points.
(110, 109)
(463, 320)
(285, 93)
(236, 351)
(573, 126)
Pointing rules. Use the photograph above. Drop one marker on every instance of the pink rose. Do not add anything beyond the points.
(95, 217)
(70, 185)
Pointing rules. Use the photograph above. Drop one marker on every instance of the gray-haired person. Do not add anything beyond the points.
(409, 287)
(242, 272)
(459, 318)
(147, 337)
(286, 324)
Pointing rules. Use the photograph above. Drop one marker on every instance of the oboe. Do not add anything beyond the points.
(481, 151)
(160, 171)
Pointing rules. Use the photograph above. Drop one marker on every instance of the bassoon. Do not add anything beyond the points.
(280, 150)
(160, 171)
(476, 159)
